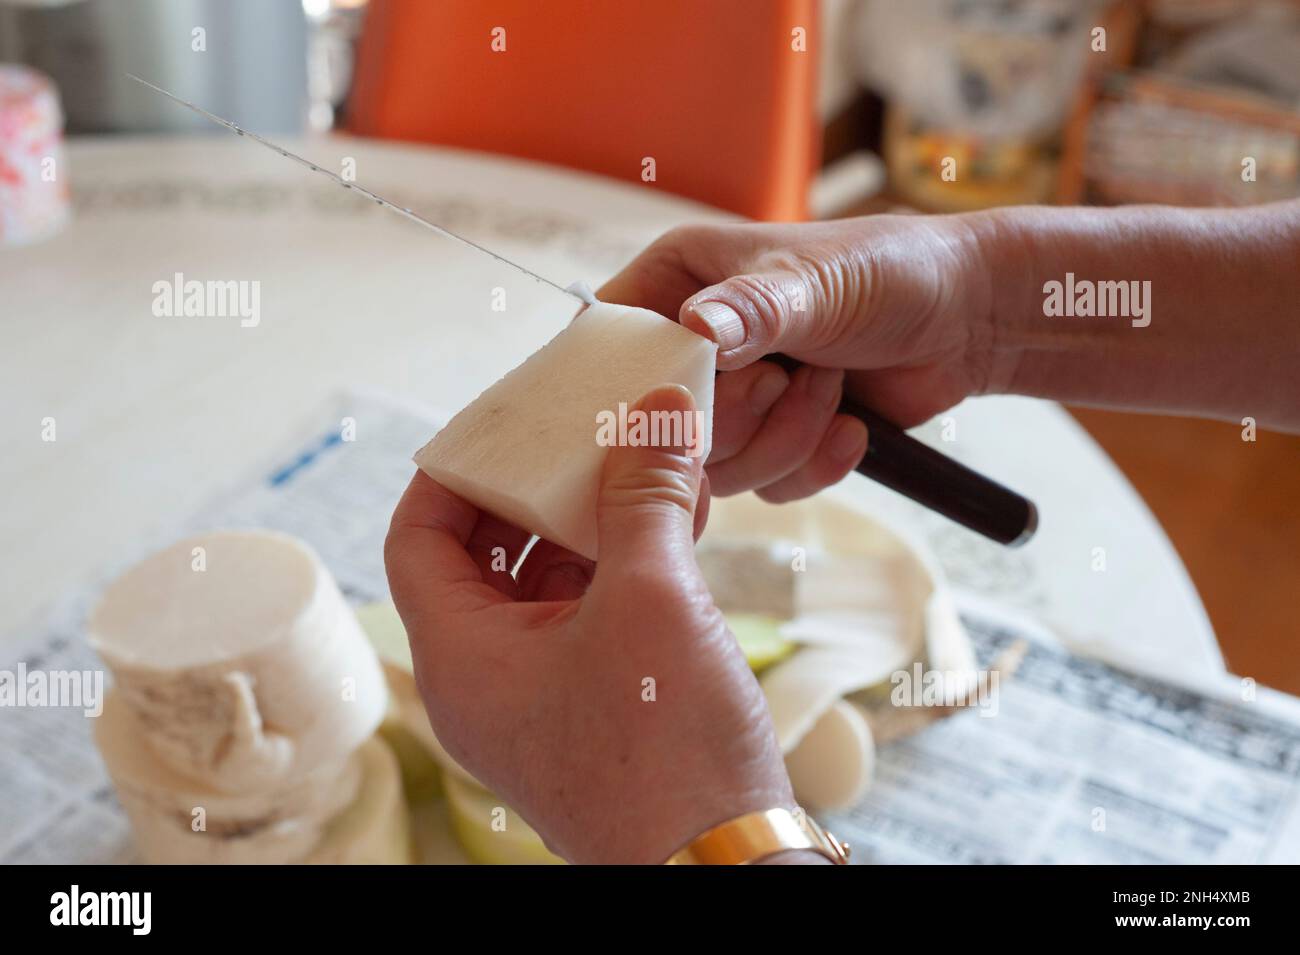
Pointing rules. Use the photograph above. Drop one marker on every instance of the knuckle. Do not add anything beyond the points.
(683, 244)
(651, 483)
(677, 236)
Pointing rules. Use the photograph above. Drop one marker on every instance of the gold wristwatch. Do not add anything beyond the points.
(755, 836)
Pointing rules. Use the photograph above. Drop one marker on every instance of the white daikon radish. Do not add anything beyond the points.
(176, 820)
(376, 828)
(877, 636)
(860, 586)
(883, 583)
(866, 602)
(949, 653)
(241, 660)
(527, 449)
(947, 650)
(832, 765)
(801, 688)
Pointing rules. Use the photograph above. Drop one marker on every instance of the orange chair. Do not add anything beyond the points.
(717, 93)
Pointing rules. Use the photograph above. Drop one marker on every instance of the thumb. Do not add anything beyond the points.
(649, 487)
(753, 315)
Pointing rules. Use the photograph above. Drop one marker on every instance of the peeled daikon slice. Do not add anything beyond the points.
(870, 635)
(801, 688)
(832, 765)
(376, 828)
(179, 821)
(527, 449)
(241, 660)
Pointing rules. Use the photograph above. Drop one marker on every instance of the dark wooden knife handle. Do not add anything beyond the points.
(900, 462)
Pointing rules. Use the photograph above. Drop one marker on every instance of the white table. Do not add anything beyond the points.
(156, 415)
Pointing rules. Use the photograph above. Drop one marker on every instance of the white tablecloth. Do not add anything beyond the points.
(155, 415)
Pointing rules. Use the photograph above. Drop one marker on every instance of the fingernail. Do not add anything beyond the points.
(670, 396)
(824, 385)
(681, 431)
(848, 443)
(764, 392)
(724, 324)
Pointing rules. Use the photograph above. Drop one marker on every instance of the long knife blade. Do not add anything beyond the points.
(356, 187)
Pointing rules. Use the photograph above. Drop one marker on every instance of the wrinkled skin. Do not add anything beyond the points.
(538, 687)
(901, 302)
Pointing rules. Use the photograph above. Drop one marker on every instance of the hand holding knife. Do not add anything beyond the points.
(893, 458)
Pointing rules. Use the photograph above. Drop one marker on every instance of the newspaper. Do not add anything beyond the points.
(1082, 763)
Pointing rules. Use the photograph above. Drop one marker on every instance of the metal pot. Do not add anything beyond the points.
(246, 59)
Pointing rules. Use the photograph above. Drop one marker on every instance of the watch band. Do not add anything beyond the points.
(755, 836)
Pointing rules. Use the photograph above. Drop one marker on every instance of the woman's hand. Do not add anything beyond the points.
(923, 311)
(609, 705)
(903, 303)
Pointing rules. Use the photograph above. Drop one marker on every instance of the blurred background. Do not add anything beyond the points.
(1037, 101)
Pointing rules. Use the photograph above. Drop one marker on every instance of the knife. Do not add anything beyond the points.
(902, 463)
(893, 458)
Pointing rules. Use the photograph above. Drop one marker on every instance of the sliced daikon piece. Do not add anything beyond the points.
(838, 580)
(527, 449)
(801, 688)
(375, 829)
(875, 636)
(831, 767)
(179, 821)
(241, 660)
(861, 585)
(947, 650)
